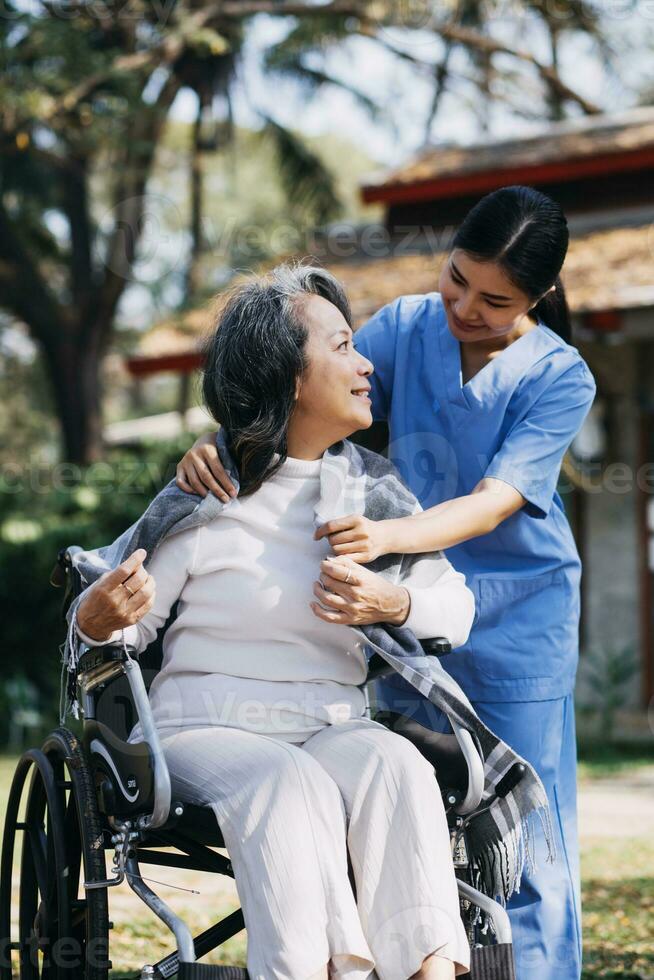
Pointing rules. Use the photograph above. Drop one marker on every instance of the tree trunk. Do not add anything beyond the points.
(196, 175)
(554, 99)
(74, 370)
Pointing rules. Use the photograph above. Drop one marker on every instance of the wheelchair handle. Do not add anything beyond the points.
(511, 779)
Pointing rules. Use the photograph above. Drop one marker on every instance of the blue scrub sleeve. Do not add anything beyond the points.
(376, 340)
(531, 455)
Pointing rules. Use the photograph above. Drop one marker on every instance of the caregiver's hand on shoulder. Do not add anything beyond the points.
(200, 470)
(359, 538)
(355, 596)
(107, 605)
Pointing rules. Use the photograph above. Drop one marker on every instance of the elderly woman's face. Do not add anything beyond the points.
(334, 392)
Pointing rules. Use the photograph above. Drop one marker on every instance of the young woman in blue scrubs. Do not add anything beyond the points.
(483, 394)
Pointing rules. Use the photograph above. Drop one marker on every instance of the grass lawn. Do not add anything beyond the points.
(597, 761)
(618, 908)
(617, 882)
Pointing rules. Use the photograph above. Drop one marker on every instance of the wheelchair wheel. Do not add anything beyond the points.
(62, 928)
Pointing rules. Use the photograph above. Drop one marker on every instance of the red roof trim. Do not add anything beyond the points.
(603, 321)
(184, 363)
(564, 170)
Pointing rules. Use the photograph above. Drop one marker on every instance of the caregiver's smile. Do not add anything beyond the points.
(481, 303)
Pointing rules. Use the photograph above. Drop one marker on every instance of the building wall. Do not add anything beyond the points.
(612, 579)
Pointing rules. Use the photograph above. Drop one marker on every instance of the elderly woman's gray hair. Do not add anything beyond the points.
(254, 359)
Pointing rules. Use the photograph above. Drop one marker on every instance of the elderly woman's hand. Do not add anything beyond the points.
(108, 604)
(201, 470)
(353, 596)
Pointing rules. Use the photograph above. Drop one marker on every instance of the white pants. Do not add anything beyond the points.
(289, 813)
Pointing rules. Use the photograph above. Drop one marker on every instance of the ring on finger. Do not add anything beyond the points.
(349, 572)
(128, 589)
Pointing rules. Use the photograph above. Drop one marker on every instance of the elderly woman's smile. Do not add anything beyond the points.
(333, 393)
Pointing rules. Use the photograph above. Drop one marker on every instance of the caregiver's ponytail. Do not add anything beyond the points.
(526, 233)
(554, 311)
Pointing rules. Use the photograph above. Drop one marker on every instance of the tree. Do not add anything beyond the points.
(89, 84)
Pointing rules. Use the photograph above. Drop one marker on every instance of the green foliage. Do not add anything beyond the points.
(606, 674)
(248, 219)
(88, 507)
(599, 758)
(308, 183)
(27, 426)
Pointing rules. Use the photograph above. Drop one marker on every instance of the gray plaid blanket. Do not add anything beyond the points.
(357, 481)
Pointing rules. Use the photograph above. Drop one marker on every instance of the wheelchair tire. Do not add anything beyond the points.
(62, 934)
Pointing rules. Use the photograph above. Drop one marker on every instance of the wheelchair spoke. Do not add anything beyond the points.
(52, 899)
(38, 845)
(74, 862)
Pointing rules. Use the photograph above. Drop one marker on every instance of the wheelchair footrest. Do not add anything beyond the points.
(491, 963)
(204, 971)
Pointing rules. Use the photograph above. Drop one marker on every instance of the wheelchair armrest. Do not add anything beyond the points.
(162, 787)
(94, 657)
(438, 646)
(99, 665)
(475, 764)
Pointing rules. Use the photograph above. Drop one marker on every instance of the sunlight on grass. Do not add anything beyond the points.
(618, 908)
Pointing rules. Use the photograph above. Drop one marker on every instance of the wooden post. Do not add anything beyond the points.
(183, 397)
(644, 501)
(645, 547)
(579, 522)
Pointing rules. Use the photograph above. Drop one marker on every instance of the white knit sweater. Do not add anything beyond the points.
(244, 584)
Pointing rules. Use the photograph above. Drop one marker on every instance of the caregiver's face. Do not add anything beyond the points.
(334, 391)
(480, 302)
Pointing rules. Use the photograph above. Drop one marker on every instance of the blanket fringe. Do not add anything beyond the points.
(502, 860)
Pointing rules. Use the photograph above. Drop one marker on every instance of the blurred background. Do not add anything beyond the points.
(151, 151)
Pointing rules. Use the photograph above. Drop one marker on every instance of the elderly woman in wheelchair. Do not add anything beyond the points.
(334, 824)
(259, 702)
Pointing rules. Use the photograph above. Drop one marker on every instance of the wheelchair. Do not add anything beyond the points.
(98, 793)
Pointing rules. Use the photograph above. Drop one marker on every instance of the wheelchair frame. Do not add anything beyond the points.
(104, 793)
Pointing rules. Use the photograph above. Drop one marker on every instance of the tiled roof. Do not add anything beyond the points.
(577, 140)
(604, 270)
(611, 269)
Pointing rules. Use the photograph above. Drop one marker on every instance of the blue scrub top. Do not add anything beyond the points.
(514, 421)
